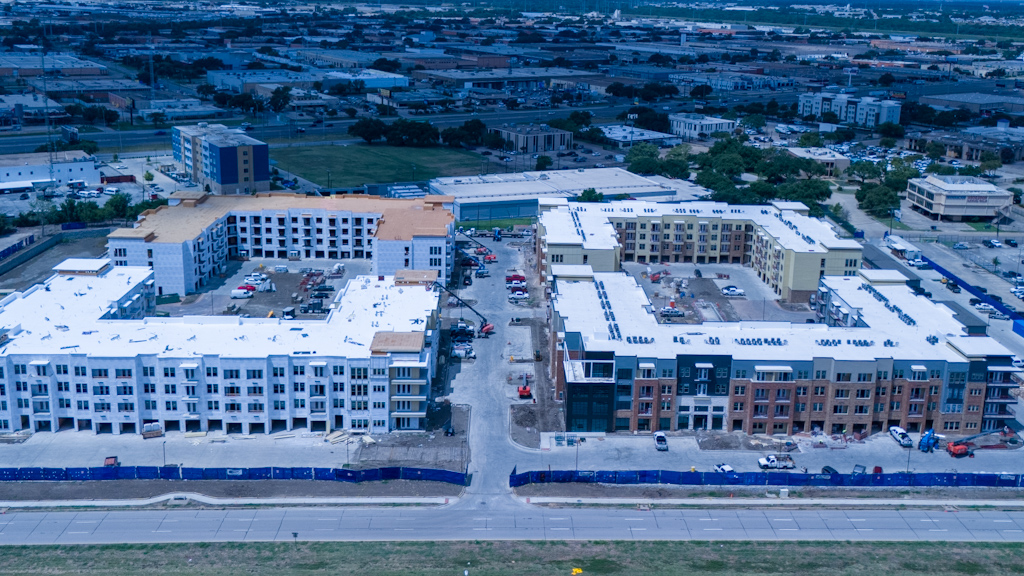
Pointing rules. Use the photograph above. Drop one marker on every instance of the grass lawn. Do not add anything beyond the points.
(981, 226)
(362, 164)
(521, 558)
(504, 224)
(896, 224)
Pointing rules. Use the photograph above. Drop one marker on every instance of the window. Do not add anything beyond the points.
(298, 370)
(864, 377)
(840, 409)
(280, 405)
(279, 389)
(96, 372)
(950, 425)
(79, 370)
(213, 404)
(211, 372)
(168, 372)
(212, 388)
(300, 402)
(894, 405)
(101, 390)
(126, 407)
(819, 390)
(379, 405)
(232, 374)
(863, 409)
(255, 407)
(299, 386)
(339, 370)
(800, 407)
(254, 374)
(122, 373)
(801, 390)
(897, 389)
(339, 402)
(19, 369)
(880, 407)
(817, 406)
(741, 374)
(83, 404)
(318, 371)
(61, 369)
(760, 394)
(148, 371)
(190, 374)
(277, 372)
(918, 375)
(171, 405)
(782, 394)
(882, 374)
(339, 386)
(821, 374)
(150, 405)
(739, 391)
(190, 390)
(63, 387)
(360, 373)
(843, 377)
(101, 407)
(864, 393)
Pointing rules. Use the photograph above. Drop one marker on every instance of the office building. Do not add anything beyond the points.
(530, 139)
(221, 160)
(898, 359)
(82, 351)
(189, 242)
(698, 126)
(33, 169)
(788, 249)
(861, 111)
(957, 198)
(627, 136)
(833, 161)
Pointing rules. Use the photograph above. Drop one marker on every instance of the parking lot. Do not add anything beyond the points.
(282, 289)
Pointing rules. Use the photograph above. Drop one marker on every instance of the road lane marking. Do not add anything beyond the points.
(405, 529)
(556, 518)
(241, 529)
(788, 529)
(161, 530)
(708, 519)
(481, 518)
(77, 532)
(1007, 530)
(633, 519)
(864, 529)
(938, 530)
(324, 529)
(712, 528)
(927, 520)
(782, 519)
(482, 528)
(1007, 521)
(558, 528)
(857, 520)
(96, 521)
(631, 528)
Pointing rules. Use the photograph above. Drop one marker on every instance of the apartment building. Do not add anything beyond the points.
(789, 250)
(957, 198)
(190, 241)
(904, 361)
(534, 139)
(220, 160)
(81, 352)
(864, 111)
(695, 126)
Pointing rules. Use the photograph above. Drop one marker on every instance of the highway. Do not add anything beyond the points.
(524, 523)
(112, 140)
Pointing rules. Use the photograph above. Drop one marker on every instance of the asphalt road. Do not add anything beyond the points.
(525, 523)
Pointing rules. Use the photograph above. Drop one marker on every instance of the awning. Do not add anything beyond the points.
(1005, 369)
(39, 363)
(318, 363)
(705, 365)
(647, 366)
(189, 365)
(772, 369)
(919, 368)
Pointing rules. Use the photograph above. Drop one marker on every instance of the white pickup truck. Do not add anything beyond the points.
(776, 462)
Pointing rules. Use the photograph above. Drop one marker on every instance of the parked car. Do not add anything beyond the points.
(900, 436)
(984, 307)
(915, 262)
(518, 295)
(660, 441)
(248, 287)
(998, 316)
(961, 246)
(733, 291)
(993, 243)
(669, 312)
(829, 470)
(24, 196)
(516, 285)
(1011, 242)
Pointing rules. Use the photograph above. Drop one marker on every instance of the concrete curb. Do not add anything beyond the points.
(185, 497)
(775, 502)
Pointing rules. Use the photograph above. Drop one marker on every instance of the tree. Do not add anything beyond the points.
(110, 116)
(887, 79)
(730, 165)
(877, 200)
(1006, 155)
(148, 176)
(755, 121)
(643, 158)
(898, 174)
(701, 91)
(493, 140)
(543, 162)
(590, 195)
(404, 132)
(369, 129)
(280, 98)
(117, 206)
(830, 117)
(934, 150)
(811, 192)
(809, 140)
(206, 91)
(350, 112)
(385, 65)
(864, 170)
(887, 142)
(890, 129)
(158, 118)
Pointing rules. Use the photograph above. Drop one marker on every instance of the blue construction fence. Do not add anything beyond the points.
(268, 473)
(629, 477)
(1018, 321)
(19, 245)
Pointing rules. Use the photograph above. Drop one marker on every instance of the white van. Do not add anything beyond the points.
(241, 294)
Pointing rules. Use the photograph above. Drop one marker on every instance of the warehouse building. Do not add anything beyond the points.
(82, 352)
(789, 250)
(189, 242)
(904, 361)
(33, 169)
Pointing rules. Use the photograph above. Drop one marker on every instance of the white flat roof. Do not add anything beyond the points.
(577, 302)
(621, 133)
(82, 265)
(544, 184)
(63, 316)
(590, 223)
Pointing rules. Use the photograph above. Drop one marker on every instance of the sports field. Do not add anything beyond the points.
(359, 164)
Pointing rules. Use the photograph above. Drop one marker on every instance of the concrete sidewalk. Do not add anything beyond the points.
(183, 498)
(776, 502)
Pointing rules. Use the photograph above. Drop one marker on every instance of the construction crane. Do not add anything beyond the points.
(964, 447)
(486, 328)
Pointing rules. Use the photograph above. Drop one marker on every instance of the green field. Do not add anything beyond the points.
(362, 164)
(521, 558)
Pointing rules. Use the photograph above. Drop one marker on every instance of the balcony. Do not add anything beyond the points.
(409, 397)
(409, 413)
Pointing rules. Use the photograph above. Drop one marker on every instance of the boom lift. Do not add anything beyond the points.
(486, 328)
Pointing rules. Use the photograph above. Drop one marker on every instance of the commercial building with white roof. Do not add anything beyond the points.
(788, 249)
(957, 197)
(80, 351)
(189, 242)
(516, 195)
(885, 358)
(626, 136)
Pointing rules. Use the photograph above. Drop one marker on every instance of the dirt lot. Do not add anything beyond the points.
(423, 450)
(222, 489)
(41, 267)
(529, 420)
(667, 491)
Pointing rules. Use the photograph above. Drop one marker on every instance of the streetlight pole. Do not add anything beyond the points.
(909, 452)
(165, 453)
